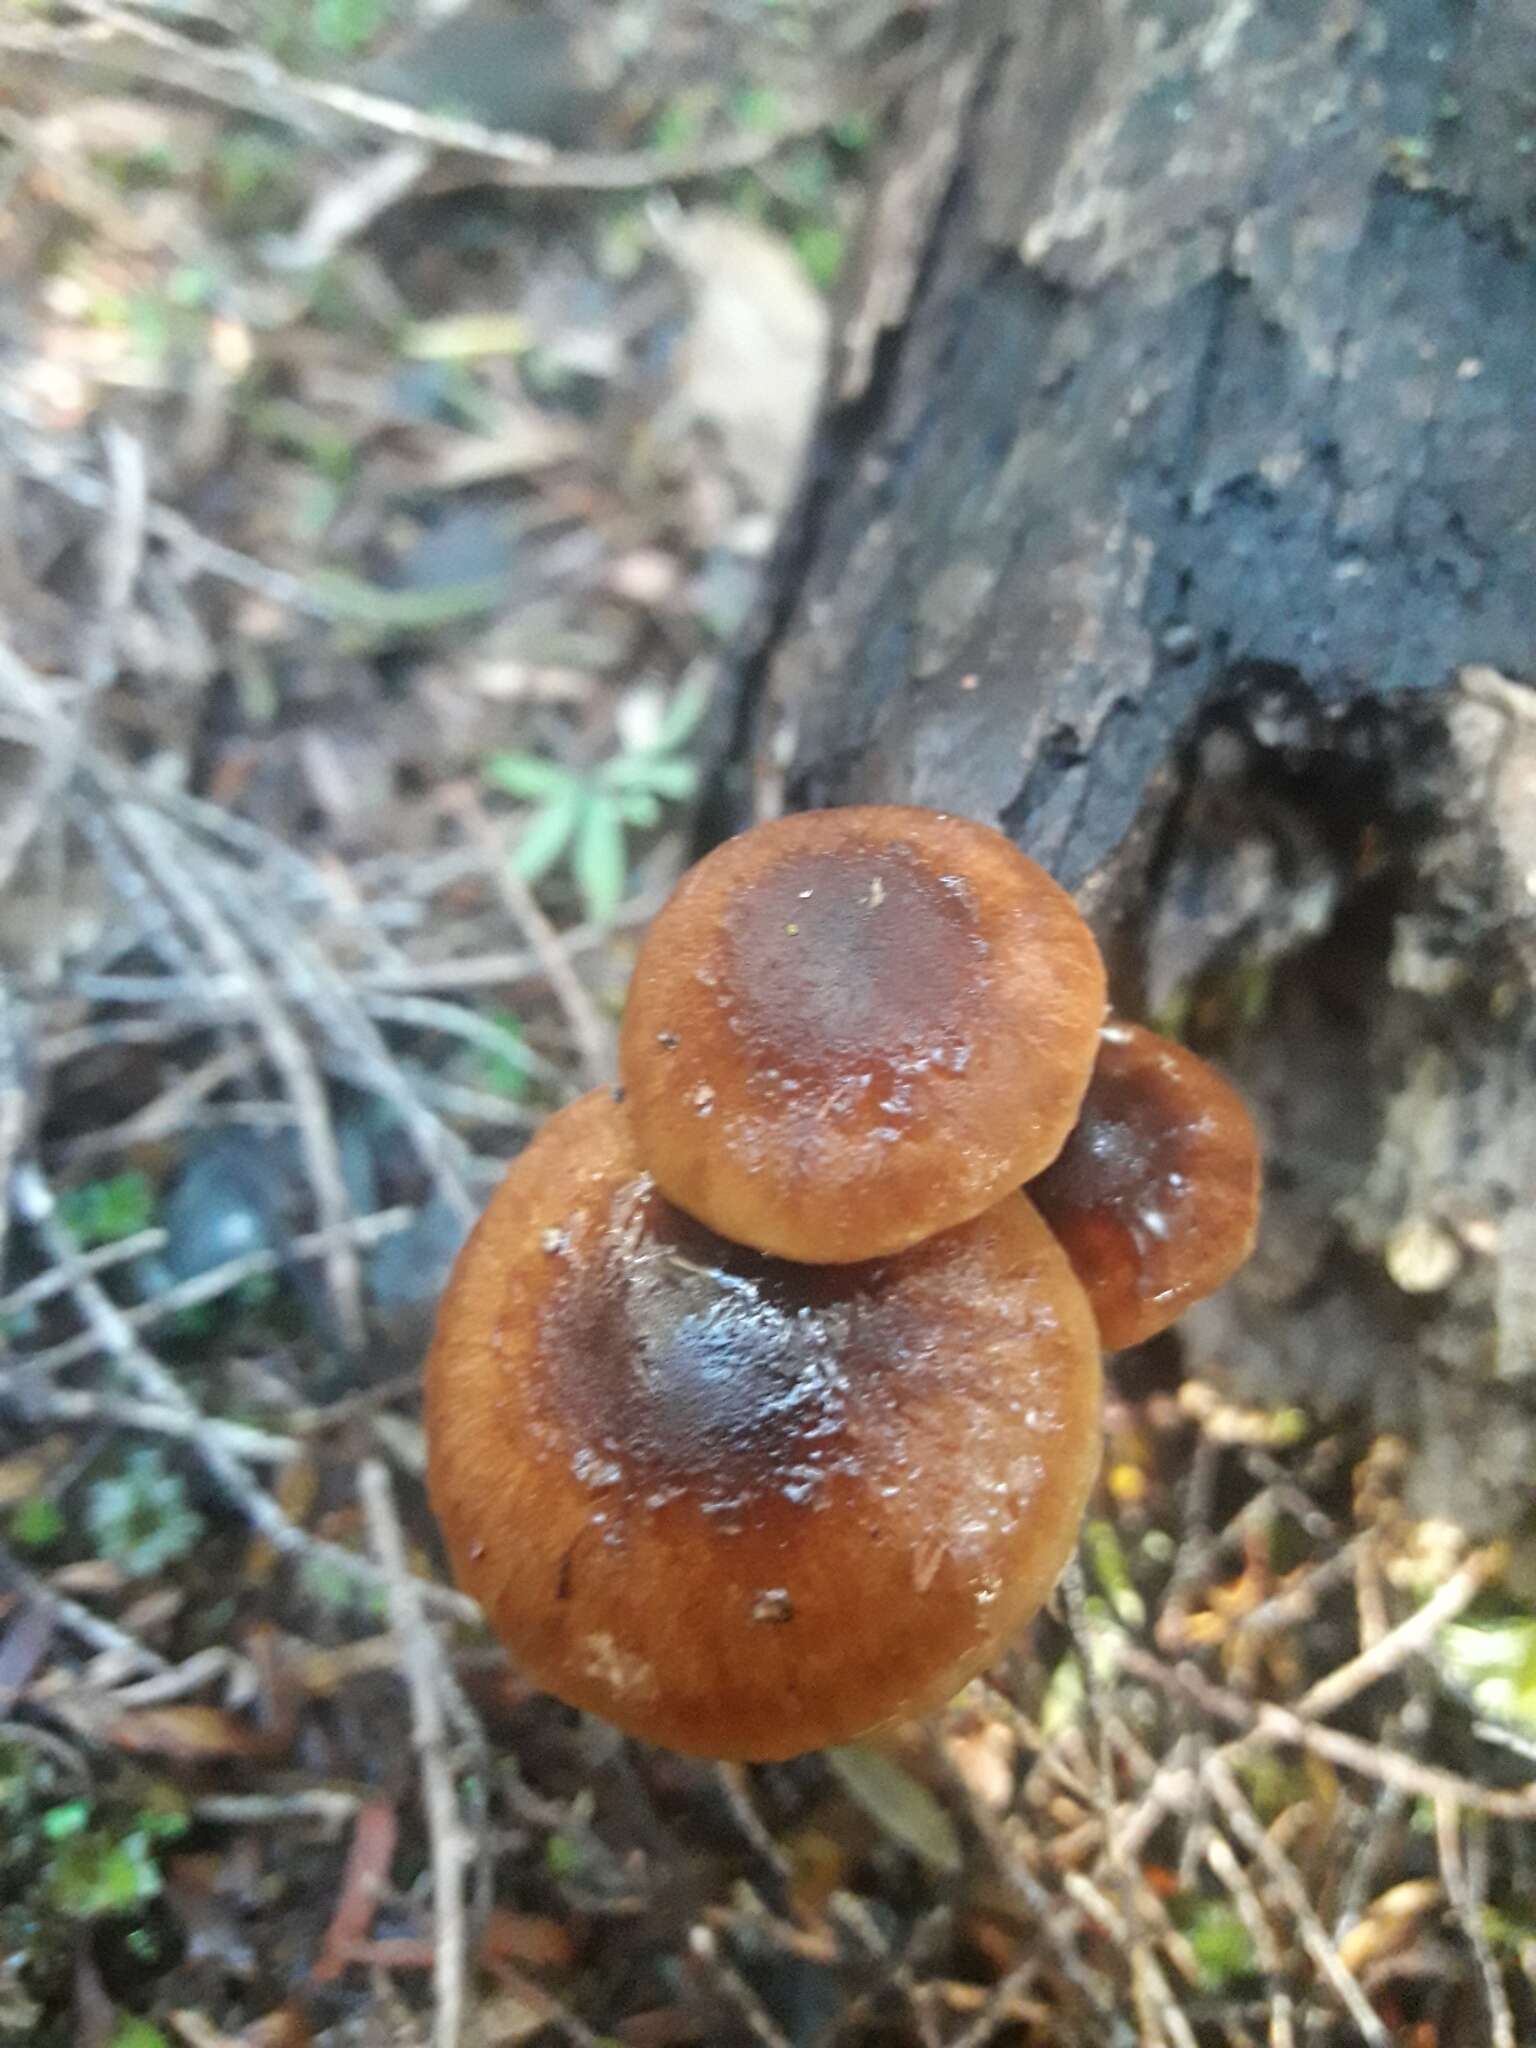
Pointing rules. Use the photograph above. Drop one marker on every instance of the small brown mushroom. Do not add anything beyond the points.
(1155, 1195)
(740, 1507)
(850, 1029)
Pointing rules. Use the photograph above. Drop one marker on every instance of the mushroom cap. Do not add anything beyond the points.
(1156, 1193)
(850, 1029)
(739, 1507)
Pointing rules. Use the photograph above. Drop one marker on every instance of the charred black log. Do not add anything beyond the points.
(1174, 505)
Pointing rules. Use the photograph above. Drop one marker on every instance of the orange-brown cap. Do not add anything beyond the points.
(850, 1029)
(1156, 1193)
(739, 1507)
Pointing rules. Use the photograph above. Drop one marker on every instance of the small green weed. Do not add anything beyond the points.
(106, 1211)
(582, 815)
(140, 1518)
(1221, 1943)
(36, 1524)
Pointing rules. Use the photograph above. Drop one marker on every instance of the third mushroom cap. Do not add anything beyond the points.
(851, 1029)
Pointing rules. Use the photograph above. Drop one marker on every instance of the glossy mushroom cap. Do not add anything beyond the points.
(1156, 1193)
(850, 1029)
(738, 1507)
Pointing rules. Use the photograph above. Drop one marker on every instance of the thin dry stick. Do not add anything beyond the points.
(1001, 2001)
(1245, 1824)
(422, 1013)
(63, 1404)
(594, 1040)
(462, 973)
(361, 1231)
(102, 1636)
(1465, 1895)
(1059, 1920)
(114, 1334)
(172, 1109)
(1368, 1759)
(704, 1946)
(46, 726)
(312, 980)
(121, 542)
(163, 854)
(420, 1657)
(736, 1788)
(43, 1286)
(350, 206)
(194, 550)
(1158, 2016)
(1393, 1650)
(1234, 1878)
(522, 161)
(13, 1104)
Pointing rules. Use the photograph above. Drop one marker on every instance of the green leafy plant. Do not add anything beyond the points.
(582, 815)
(1493, 1661)
(106, 1211)
(140, 1518)
(36, 1523)
(1221, 1943)
(505, 1073)
(136, 2033)
(347, 26)
(105, 1863)
(71, 1855)
(327, 1581)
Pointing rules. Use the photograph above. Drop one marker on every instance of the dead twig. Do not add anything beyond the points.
(61, 1404)
(1257, 1840)
(362, 1231)
(1465, 1888)
(173, 866)
(114, 1334)
(77, 1620)
(1349, 1752)
(733, 1988)
(14, 1099)
(1231, 1874)
(196, 551)
(1388, 1655)
(421, 1660)
(522, 162)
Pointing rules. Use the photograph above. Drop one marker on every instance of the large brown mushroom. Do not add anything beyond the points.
(1155, 1194)
(851, 1029)
(740, 1507)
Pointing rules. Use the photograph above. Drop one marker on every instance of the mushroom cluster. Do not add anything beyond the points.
(764, 1400)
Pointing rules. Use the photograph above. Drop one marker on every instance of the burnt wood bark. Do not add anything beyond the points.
(1174, 506)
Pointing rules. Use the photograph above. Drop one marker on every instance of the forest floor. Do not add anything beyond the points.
(397, 405)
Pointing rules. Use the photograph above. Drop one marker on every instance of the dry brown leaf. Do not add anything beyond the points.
(751, 364)
(193, 1734)
(535, 1940)
(1390, 1922)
